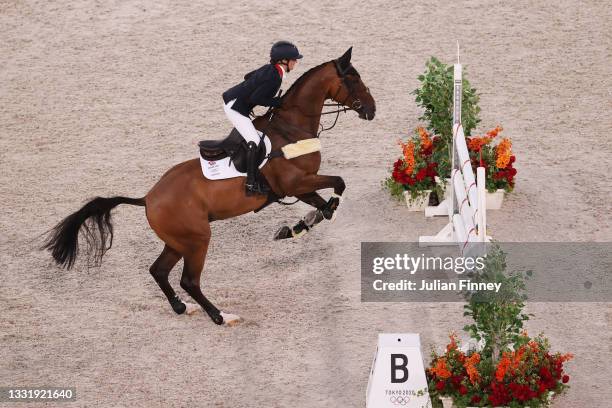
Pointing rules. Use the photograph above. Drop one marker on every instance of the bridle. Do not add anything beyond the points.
(340, 106)
(356, 105)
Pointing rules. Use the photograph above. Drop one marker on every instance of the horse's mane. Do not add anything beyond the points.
(302, 78)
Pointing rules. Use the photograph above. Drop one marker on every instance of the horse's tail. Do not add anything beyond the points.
(95, 218)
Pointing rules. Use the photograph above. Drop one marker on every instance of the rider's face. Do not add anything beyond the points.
(291, 64)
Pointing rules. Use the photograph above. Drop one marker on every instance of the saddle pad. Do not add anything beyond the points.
(224, 168)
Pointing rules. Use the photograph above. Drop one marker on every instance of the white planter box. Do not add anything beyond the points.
(419, 203)
(495, 200)
(447, 402)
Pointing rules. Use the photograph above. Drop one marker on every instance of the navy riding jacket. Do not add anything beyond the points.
(258, 88)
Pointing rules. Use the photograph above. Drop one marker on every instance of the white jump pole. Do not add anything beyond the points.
(447, 206)
(466, 205)
(482, 205)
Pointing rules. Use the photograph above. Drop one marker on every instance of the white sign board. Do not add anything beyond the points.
(397, 378)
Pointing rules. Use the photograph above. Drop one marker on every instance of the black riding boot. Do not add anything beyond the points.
(253, 185)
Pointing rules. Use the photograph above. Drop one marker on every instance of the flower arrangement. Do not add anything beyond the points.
(523, 377)
(426, 156)
(414, 172)
(497, 159)
(509, 368)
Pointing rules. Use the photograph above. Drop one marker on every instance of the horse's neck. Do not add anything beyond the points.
(305, 105)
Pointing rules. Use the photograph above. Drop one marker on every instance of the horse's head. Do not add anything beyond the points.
(349, 90)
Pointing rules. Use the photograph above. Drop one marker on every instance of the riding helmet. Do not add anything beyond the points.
(284, 50)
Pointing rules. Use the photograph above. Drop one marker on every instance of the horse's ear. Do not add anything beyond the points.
(346, 57)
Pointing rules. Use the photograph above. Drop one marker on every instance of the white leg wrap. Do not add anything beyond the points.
(230, 319)
(340, 198)
(191, 308)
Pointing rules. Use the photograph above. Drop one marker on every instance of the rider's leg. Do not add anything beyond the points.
(242, 123)
(246, 129)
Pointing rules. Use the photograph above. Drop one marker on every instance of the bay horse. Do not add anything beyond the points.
(183, 203)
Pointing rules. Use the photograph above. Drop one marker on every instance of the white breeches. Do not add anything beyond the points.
(242, 123)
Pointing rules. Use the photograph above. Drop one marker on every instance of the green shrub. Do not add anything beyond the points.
(435, 95)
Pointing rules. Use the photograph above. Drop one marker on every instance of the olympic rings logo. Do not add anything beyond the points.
(399, 400)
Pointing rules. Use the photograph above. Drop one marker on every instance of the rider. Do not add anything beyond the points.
(258, 88)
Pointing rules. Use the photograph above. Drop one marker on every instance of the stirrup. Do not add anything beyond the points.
(257, 188)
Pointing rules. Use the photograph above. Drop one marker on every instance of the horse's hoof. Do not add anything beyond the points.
(230, 320)
(177, 305)
(191, 308)
(283, 233)
(335, 213)
(330, 209)
(300, 229)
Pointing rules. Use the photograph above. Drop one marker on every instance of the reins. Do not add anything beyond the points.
(341, 106)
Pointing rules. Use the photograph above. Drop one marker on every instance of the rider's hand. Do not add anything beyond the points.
(276, 102)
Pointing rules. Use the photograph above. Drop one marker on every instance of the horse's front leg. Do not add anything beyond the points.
(324, 209)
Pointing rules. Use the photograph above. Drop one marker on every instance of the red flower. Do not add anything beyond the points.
(565, 379)
(499, 394)
(541, 387)
(521, 392)
(440, 385)
(475, 399)
(463, 390)
(545, 373)
(421, 174)
(431, 169)
(456, 380)
(398, 164)
(512, 159)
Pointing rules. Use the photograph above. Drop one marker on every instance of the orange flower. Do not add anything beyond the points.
(493, 133)
(517, 356)
(440, 369)
(470, 367)
(503, 153)
(502, 367)
(453, 342)
(408, 150)
(426, 141)
(476, 143)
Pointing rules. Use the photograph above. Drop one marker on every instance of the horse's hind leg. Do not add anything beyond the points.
(190, 282)
(160, 270)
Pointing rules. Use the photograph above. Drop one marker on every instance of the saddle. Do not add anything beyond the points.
(234, 147)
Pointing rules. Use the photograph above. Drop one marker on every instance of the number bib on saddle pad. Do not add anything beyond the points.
(223, 159)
